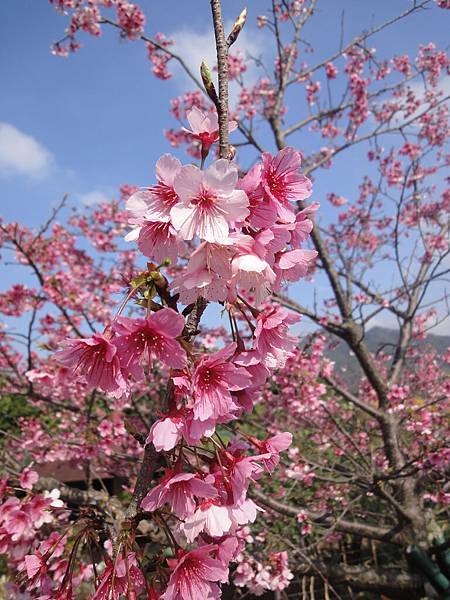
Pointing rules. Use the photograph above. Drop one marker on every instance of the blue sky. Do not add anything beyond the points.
(96, 118)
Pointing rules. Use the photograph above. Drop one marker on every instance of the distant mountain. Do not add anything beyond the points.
(378, 339)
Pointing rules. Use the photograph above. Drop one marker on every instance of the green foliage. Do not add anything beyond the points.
(12, 408)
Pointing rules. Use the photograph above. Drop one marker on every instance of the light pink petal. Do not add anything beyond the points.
(188, 182)
(222, 175)
(166, 168)
(137, 204)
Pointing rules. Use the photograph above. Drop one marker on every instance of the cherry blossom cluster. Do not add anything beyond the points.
(211, 236)
(87, 16)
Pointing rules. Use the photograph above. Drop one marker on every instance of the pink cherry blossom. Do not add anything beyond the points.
(166, 433)
(211, 518)
(262, 213)
(283, 183)
(215, 377)
(157, 240)
(272, 339)
(295, 264)
(28, 478)
(150, 338)
(34, 565)
(207, 273)
(273, 446)
(115, 580)
(155, 203)
(251, 271)
(303, 225)
(194, 575)
(179, 490)
(96, 360)
(210, 204)
(205, 126)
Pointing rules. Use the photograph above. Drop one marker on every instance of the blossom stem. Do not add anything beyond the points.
(128, 297)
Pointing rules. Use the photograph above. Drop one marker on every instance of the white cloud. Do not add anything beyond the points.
(196, 46)
(21, 154)
(94, 197)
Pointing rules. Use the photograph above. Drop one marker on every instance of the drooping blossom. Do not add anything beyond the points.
(195, 574)
(158, 241)
(207, 273)
(294, 264)
(283, 183)
(251, 270)
(273, 446)
(241, 470)
(210, 204)
(272, 339)
(179, 490)
(149, 212)
(96, 360)
(215, 377)
(150, 338)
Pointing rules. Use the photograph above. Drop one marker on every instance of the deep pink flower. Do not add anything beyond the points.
(178, 490)
(205, 126)
(283, 183)
(272, 339)
(215, 377)
(150, 338)
(96, 360)
(157, 240)
(263, 213)
(28, 478)
(210, 203)
(194, 574)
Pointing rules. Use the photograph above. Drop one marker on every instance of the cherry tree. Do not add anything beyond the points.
(191, 417)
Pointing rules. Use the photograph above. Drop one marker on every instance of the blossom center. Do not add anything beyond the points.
(208, 378)
(166, 193)
(205, 200)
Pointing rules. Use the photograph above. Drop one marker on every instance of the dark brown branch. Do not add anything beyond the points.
(354, 527)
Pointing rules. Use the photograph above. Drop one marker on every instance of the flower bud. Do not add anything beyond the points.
(237, 28)
(208, 82)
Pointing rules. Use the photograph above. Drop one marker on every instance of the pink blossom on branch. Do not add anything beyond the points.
(205, 127)
(96, 360)
(195, 575)
(215, 377)
(283, 183)
(179, 490)
(210, 204)
(150, 338)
